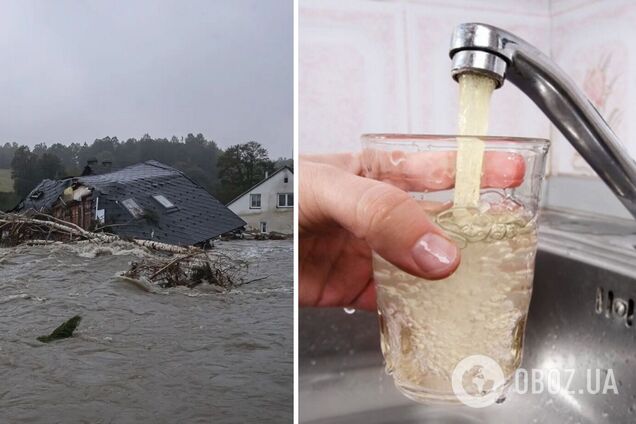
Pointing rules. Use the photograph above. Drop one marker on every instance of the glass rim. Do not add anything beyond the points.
(389, 137)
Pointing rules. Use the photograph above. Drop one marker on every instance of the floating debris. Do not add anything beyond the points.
(256, 235)
(42, 229)
(216, 269)
(64, 331)
(11, 297)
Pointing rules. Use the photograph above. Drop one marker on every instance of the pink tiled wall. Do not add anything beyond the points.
(383, 66)
(593, 42)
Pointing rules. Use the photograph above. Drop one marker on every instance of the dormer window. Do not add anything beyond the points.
(163, 201)
(133, 207)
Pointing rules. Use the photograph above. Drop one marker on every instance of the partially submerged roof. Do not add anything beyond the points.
(196, 216)
(259, 183)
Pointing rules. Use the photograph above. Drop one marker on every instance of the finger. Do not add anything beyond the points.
(435, 170)
(346, 161)
(387, 218)
(503, 170)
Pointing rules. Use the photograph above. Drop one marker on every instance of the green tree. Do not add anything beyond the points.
(50, 167)
(281, 162)
(24, 171)
(27, 169)
(6, 154)
(225, 174)
(240, 167)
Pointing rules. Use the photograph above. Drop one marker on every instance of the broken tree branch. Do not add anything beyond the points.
(22, 228)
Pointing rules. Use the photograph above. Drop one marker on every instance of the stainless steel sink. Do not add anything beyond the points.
(581, 317)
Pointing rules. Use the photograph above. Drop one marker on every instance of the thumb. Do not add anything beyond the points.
(387, 218)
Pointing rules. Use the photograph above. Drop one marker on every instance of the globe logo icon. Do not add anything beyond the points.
(478, 381)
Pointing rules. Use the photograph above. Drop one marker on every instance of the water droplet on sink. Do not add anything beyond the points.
(349, 310)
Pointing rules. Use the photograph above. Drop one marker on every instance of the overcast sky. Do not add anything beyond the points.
(73, 71)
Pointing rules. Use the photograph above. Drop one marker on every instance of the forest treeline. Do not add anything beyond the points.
(224, 173)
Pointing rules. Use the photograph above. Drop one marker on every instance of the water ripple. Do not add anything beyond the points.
(184, 356)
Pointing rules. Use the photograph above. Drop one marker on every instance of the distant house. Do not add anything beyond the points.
(149, 201)
(269, 205)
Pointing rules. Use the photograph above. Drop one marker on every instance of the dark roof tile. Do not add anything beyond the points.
(198, 215)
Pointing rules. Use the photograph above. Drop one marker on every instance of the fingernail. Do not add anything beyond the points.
(435, 255)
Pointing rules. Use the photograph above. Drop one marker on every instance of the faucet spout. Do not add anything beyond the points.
(503, 56)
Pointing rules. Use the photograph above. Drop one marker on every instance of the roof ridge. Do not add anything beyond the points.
(157, 164)
(259, 183)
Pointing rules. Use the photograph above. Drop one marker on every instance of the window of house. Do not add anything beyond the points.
(133, 207)
(255, 201)
(285, 200)
(263, 227)
(286, 179)
(163, 201)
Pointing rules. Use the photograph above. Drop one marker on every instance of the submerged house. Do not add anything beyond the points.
(269, 205)
(149, 201)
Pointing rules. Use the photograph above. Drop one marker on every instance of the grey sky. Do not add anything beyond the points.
(80, 70)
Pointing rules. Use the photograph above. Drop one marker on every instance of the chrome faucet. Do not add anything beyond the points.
(484, 49)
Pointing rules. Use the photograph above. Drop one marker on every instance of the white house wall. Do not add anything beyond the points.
(277, 219)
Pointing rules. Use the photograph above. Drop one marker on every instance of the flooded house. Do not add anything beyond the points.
(149, 201)
(268, 205)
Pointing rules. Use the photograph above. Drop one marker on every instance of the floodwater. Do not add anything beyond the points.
(171, 356)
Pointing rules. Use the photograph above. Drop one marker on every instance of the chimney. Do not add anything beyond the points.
(89, 169)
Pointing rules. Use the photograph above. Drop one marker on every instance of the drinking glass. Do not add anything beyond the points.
(429, 327)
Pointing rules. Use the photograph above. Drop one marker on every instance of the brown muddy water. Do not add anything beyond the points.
(173, 356)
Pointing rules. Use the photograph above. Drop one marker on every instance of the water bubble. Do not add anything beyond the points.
(350, 310)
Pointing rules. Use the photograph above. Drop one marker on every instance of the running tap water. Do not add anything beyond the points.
(487, 50)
